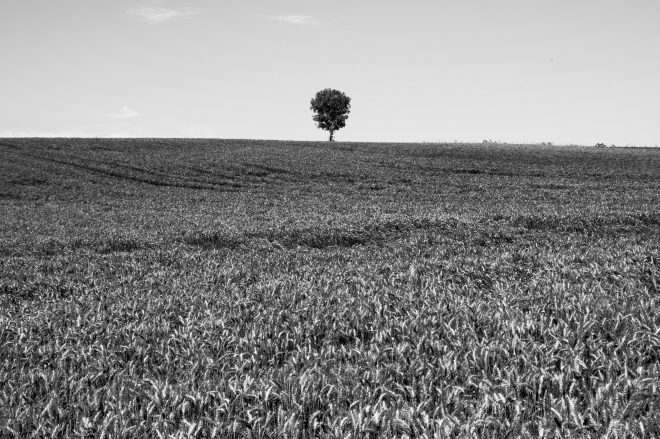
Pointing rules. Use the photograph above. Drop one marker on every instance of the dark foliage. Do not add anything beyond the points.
(331, 108)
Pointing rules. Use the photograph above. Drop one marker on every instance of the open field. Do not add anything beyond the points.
(203, 288)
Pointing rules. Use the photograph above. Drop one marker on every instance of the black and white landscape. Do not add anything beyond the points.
(342, 219)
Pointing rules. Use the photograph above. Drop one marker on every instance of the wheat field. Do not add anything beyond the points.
(232, 288)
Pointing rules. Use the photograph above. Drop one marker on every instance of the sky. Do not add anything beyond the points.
(520, 71)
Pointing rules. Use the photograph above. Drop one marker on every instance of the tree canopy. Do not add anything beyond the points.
(331, 108)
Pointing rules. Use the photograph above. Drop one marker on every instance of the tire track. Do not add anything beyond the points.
(96, 166)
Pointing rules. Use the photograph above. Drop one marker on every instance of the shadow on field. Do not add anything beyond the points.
(482, 234)
(113, 244)
(587, 224)
(319, 237)
(493, 231)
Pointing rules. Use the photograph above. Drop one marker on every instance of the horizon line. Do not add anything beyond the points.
(420, 142)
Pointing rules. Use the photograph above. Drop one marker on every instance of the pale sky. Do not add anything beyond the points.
(565, 71)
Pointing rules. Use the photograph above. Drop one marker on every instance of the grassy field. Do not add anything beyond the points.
(218, 288)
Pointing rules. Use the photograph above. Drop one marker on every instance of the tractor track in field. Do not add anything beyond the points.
(146, 176)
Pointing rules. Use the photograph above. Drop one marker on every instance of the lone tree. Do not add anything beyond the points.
(331, 108)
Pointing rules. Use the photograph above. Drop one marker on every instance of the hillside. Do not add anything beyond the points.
(215, 287)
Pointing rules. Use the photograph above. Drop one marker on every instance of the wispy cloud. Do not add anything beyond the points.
(125, 113)
(296, 19)
(153, 15)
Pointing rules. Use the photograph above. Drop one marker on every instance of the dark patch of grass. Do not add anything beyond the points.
(319, 238)
(324, 237)
(643, 219)
(588, 223)
(29, 181)
(262, 170)
(16, 292)
(211, 240)
(468, 171)
(119, 244)
(497, 238)
(9, 196)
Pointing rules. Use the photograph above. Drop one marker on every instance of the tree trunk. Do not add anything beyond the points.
(332, 135)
